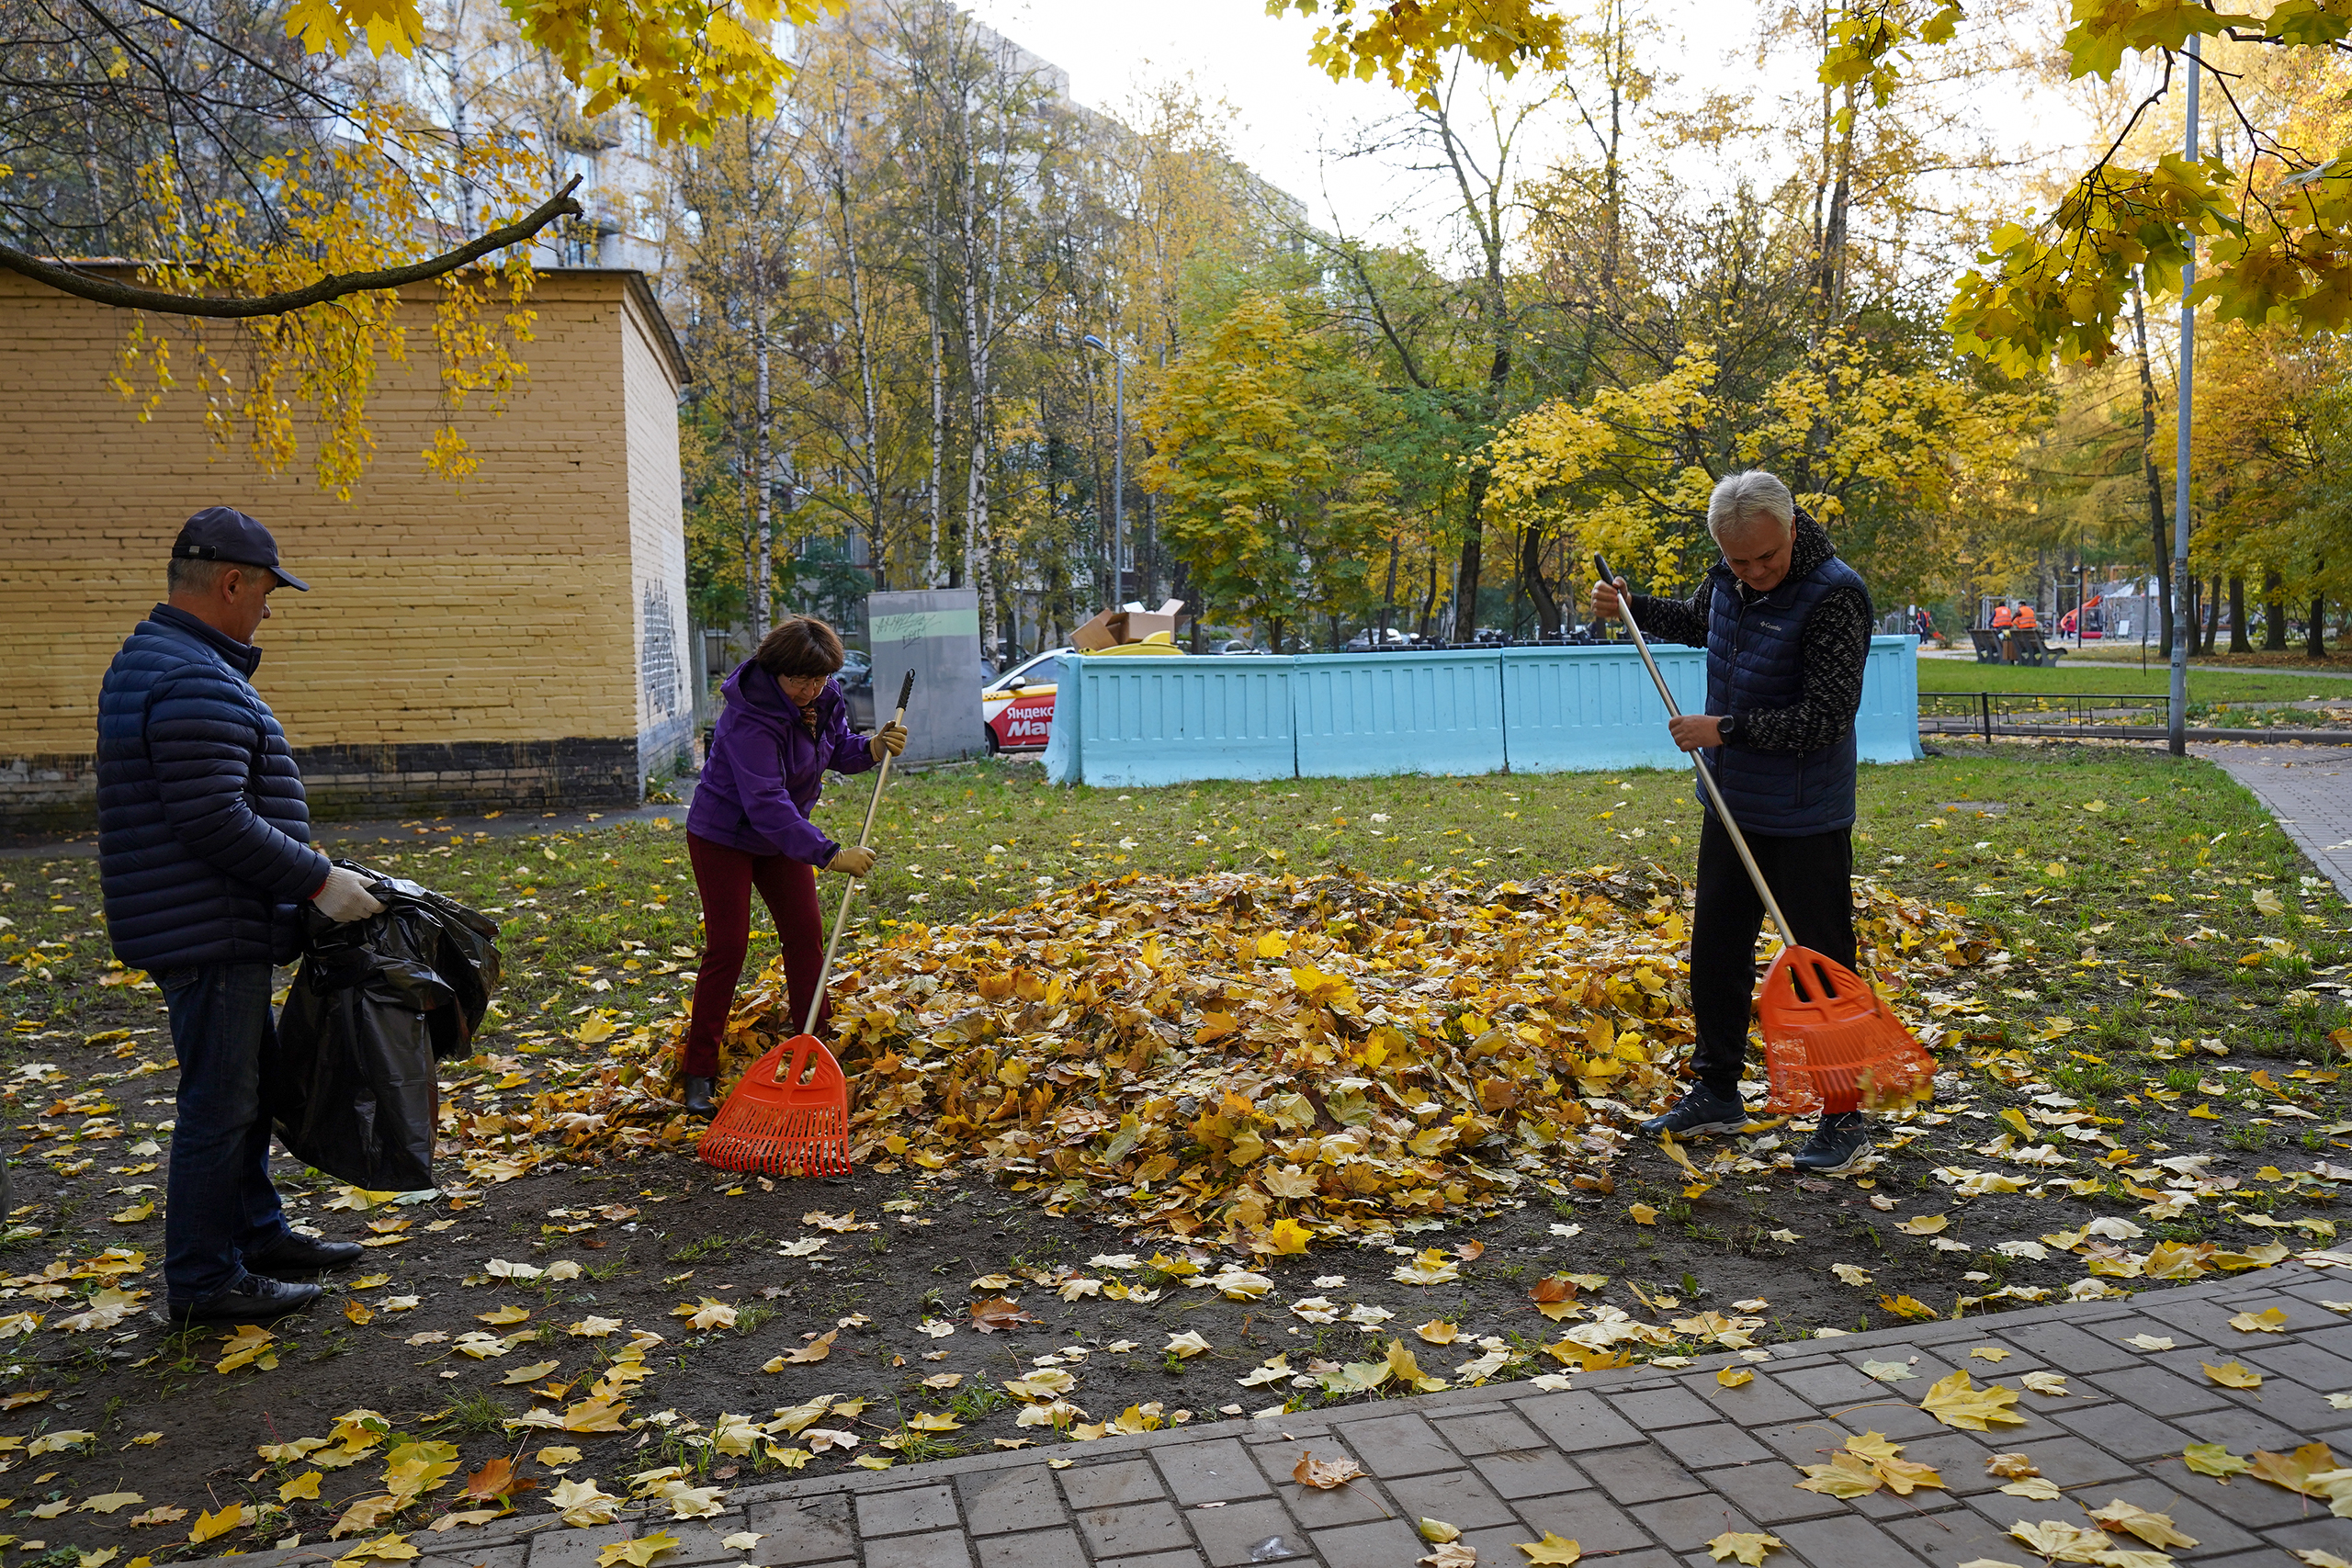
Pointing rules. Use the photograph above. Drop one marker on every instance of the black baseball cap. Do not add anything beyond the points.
(223, 532)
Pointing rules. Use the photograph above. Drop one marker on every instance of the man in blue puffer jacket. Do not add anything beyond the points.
(205, 859)
(1787, 629)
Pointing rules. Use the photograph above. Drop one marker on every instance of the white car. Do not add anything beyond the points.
(1017, 708)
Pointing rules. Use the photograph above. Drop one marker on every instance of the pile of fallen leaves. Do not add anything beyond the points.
(1268, 1060)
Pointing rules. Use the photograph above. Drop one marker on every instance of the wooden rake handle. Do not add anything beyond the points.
(1699, 759)
(841, 921)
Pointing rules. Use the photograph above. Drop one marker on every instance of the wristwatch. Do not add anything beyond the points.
(1728, 727)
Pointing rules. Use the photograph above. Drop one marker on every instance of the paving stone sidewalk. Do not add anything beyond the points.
(2308, 789)
(1641, 1466)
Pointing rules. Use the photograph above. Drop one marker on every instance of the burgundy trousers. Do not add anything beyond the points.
(725, 878)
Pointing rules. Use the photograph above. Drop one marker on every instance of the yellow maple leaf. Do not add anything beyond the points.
(1956, 1401)
(218, 1522)
(502, 1315)
(2230, 1374)
(1734, 1377)
(1643, 1216)
(639, 1553)
(304, 1485)
(1552, 1552)
(1742, 1546)
(1288, 1237)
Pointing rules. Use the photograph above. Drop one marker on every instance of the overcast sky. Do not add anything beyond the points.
(1294, 121)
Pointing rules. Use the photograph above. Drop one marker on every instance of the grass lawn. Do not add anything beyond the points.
(2205, 685)
(2152, 1046)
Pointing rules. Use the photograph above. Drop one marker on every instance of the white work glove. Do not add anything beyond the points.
(345, 898)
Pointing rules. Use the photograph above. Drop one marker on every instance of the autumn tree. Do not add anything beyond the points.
(1255, 433)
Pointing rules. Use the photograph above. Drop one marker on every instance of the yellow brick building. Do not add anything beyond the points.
(517, 641)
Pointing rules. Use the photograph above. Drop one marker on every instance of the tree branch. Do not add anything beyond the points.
(136, 297)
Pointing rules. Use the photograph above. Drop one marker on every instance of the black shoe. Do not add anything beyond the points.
(699, 1101)
(1839, 1144)
(256, 1298)
(300, 1254)
(1701, 1111)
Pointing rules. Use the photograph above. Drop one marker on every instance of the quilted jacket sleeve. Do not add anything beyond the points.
(202, 739)
(846, 749)
(768, 803)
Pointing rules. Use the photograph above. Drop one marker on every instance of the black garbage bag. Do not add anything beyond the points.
(376, 1005)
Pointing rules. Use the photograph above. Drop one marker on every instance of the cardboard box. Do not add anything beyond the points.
(1109, 628)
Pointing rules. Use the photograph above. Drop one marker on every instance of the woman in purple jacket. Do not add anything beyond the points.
(785, 723)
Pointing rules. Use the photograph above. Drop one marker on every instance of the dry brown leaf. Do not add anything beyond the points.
(1324, 1474)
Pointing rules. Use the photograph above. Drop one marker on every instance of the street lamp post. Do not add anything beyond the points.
(1118, 468)
(2177, 718)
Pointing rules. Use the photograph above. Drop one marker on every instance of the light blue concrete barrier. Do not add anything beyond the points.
(1577, 709)
(1363, 714)
(1126, 720)
(1887, 728)
(1136, 719)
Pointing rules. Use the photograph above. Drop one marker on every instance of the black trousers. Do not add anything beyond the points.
(1812, 877)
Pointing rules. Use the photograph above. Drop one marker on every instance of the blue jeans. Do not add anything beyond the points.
(221, 1206)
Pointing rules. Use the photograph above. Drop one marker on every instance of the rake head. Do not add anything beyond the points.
(789, 1115)
(1831, 1043)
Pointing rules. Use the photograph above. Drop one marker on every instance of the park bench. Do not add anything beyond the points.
(2031, 648)
(1988, 645)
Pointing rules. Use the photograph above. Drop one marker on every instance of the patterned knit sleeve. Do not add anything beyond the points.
(1837, 647)
(1674, 620)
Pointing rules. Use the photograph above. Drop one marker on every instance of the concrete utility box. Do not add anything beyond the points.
(937, 634)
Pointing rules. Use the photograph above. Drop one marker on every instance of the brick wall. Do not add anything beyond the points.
(462, 644)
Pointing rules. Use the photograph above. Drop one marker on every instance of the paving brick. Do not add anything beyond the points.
(1768, 1492)
(2239, 1428)
(940, 1548)
(1374, 1541)
(998, 1501)
(1317, 1509)
(1685, 1524)
(1846, 1541)
(801, 1531)
(577, 1548)
(488, 1557)
(1586, 1517)
(2069, 1349)
(1103, 1485)
(2215, 1535)
(1127, 1529)
(1962, 1535)
(1457, 1496)
(905, 1512)
(1958, 1457)
(2320, 1532)
(2260, 1557)
(1802, 1442)
(2072, 1461)
(1033, 1549)
(1219, 1470)
(2336, 1338)
(1655, 1408)
(1832, 1385)
(1399, 1445)
(1184, 1557)
(1239, 1532)
(2123, 1431)
(1751, 1403)
(1494, 1431)
(2307, 1364)
(2157, 1390)
(1576, 1421)
(1529, 1472)
(1639, 1475)
(1716, 1443)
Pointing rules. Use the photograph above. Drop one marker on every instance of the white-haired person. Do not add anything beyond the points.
(1787, 629)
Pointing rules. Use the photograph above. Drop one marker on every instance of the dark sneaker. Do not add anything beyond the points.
(256, 1298)
(699, 1101)
(1838, 1145)
(300, 1254)
(1701, 1111)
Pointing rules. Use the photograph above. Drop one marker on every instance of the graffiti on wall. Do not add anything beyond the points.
(658, 661)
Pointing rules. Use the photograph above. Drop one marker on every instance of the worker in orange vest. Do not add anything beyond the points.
(2001, 615)
(2025, 619)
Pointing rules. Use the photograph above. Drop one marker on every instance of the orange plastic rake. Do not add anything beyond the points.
(790, 1113)
(1828, 1040)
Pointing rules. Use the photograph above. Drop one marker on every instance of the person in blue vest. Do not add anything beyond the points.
(1787, 629)
(205, 862)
